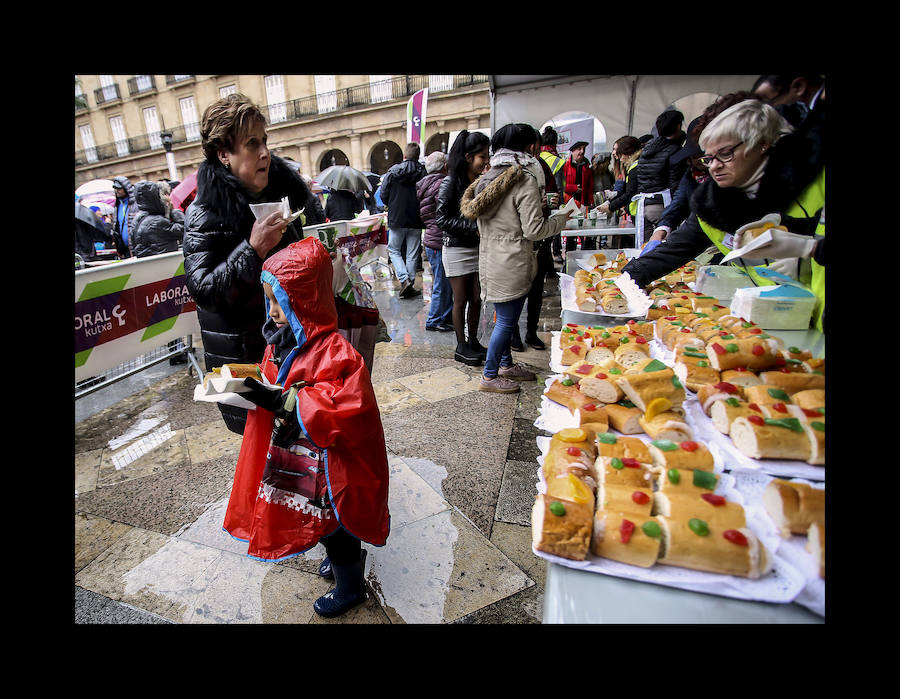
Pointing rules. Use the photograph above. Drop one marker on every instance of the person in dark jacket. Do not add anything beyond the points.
(342, 205)
(655, 170)
(123, 217)
(156, 228)
(764, 167)
(224, 244)
(469, 157)
(440, 311)
(398, 191)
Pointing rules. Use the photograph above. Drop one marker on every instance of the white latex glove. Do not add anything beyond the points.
(740, 240)
(788, 266)
(786, 245)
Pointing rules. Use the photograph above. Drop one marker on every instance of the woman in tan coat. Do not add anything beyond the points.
(507, 202)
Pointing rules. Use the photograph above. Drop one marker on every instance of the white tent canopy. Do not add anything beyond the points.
(624, 104)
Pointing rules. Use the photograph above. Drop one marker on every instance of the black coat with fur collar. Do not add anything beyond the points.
(794, 163)
(222, 268)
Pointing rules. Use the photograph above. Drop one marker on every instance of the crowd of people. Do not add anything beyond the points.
(483, 213)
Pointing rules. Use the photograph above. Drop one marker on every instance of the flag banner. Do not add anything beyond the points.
(415, 117)
(126, 309)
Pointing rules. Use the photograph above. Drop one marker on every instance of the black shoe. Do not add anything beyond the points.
(478, 347)
(467, 355)
(349, 589)
(405, 288)
(440, 327)
(516, 342)
(532, 340)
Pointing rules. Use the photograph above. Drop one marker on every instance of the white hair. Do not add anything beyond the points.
(435, 162)
(751, 121)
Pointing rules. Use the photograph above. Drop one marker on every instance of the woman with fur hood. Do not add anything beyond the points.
(506, 202)
(224, 244)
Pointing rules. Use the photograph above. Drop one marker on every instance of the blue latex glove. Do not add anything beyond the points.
(649, 246)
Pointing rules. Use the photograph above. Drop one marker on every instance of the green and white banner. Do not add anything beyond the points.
(126, 309)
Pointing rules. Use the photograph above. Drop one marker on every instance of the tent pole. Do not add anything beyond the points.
(631, 106)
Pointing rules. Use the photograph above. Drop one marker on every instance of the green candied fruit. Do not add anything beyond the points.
(816, 425)
(778, 394)
(701, 315)
(704, 479)
(698, 526)
(819, 372)
(792, 361)
(568, 330)
(651, 528)
(763, 336)
(616, 463)
(821, 411)
(674, 476)
(623, 340)
(746, 325)
(732, 401)
(596, 327)
(727, 337)
(567, 382)
(731, 347)
(703, 363)
(607, 438)
(557, 508)
(791, 423)
(794, 350)
(655, 365)
(614, 371)
(664, 444)
(675, 382)
(628, 404)
(604, 334)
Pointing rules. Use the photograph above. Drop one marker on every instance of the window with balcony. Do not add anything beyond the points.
(380, 88)
(109, 88)
(275, 98)
(227, 90)
(151, 124)
(439, 83)
(189, 118)
(326, 93)
(87, 142)
(119, 136)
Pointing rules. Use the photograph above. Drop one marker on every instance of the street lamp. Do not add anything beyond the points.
(166, 137)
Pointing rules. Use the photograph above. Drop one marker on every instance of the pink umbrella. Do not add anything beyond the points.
(184, 193)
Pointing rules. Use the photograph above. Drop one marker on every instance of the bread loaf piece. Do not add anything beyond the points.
(793, 506)
(684, 454)
(644, 386)
(711, 508)
(624, 419)
(810, 399)
(715, 549)
(609, 444)
(757, 353)
(792, 382)
(668, 425)
(561, 527)
(625, 498)
(815, 544)
(686, 480)
(626, 537)
(240, 371)
(767, 438)
(628, 472)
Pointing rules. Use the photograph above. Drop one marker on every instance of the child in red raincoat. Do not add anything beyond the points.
(313, 463)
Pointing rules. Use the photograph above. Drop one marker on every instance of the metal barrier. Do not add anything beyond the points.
(138, 364)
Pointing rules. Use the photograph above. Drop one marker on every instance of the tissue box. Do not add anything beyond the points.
(780, 307)
(721, 281)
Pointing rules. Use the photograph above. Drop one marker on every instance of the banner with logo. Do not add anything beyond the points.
(126, 309)
(415, 117)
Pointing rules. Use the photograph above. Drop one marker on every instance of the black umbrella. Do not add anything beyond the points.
(86, 215)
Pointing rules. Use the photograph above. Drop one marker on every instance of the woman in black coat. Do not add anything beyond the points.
(224, 245)
(156, 230)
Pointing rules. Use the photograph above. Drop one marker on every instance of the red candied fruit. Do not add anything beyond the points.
(640, 497)
(756, 420)
(713, 499)
(735, 537)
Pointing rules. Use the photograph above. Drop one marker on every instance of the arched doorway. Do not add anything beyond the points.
(578, 126)
(335, 156)
(383, 156)
(693, 105)
(440, 141)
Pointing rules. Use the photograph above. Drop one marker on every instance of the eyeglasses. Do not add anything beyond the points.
(725, 155)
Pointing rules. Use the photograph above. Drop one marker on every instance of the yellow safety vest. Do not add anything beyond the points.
(554, 161)
(632, 206)
(809, 203)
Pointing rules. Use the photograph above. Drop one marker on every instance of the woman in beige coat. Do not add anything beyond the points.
(507, 203)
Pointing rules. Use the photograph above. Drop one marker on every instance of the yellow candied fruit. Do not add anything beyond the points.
(657, 406)
(571, 434)
(570, 487)
(682, 309)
